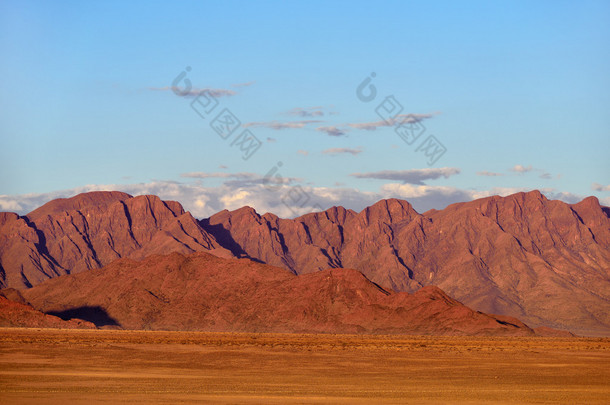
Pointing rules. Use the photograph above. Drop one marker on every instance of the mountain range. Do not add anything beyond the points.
(542, 261)
(204, 292)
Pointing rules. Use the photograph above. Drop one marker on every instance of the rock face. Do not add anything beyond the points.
(333, 238)
(91, 230)
(545, 262)
(205, 292)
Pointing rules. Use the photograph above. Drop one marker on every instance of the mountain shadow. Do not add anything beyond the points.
(225, 239)
(93, 314)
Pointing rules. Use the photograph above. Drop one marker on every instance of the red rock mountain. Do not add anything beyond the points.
(205, 292)
(543, 261)
(91, 230)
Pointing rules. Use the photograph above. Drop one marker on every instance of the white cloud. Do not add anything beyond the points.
(521, 169)
(201, 202)
(307, 111)
(341, 151)
(247, 84)
(413, 176)
(211, 175)
(9, 204)
(600, 187)
(332, 130)
(236, 200)
(278, 125)
(194, 92)
(489, 174)
(241, 179)
(564, 196)
(402, 119)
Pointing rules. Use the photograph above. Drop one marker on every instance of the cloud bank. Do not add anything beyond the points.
(286, 198)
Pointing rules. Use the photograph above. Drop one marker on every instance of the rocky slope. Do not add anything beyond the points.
(545, 262)
(91, 230)
(15, 313)
(205, 292)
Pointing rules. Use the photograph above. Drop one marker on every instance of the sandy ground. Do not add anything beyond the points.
(99, 366)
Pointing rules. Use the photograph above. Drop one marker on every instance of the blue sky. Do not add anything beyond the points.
(516, 92)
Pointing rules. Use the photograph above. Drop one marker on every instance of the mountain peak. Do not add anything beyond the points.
(90, 199)
(590, 202)
(91, 230)
(389, 211)
(533, 195)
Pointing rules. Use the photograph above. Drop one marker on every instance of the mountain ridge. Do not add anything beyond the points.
(91, 230)
(543, 261)
(203, 292)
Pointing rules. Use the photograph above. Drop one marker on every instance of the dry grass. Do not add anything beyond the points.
(100, 366)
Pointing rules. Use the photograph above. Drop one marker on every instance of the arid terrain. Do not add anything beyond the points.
(155, 306)
(541, 261)
(104, 366)
(202, 292)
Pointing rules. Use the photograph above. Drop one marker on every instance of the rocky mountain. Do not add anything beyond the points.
(204, 292)
(91, 230)
(543, 261)
(334, 238)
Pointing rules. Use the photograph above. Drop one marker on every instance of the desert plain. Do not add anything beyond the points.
(57, 366)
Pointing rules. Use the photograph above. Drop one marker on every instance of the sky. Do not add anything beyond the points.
(294, 107)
